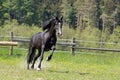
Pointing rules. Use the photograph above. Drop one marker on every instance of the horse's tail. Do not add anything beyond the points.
(31, 53)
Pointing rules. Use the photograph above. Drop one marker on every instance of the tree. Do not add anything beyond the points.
(98, 13)
(71, 15)
(49, 9)
(110, 10)
(29, 11)
(2, 10)
(117, 16)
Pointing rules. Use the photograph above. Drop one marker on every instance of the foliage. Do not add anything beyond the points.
(19, 30)
(90, 12)
(29, 11)
(71, 16)
(115, 38)
(98, 20)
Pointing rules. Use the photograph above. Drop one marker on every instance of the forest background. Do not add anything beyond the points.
(92, 20)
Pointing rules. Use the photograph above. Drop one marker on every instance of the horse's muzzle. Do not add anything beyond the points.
(59, 34)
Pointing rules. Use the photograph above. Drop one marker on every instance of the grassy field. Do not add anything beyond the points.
(63, 66)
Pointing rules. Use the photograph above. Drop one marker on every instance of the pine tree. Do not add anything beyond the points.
(71, 15)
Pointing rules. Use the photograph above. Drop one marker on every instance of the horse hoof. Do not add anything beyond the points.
(38, 69)
(32, 67)
(48, 58)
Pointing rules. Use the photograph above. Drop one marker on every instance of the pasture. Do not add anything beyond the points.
(63, 66)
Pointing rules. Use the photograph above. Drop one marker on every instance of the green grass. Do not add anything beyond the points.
(63, 66)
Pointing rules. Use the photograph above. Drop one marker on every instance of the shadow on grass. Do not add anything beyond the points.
(57, 71)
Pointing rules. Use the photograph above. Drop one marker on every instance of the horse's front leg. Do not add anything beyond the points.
(51, 54)
(41, 57)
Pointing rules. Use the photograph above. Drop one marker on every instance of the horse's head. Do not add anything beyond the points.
(58, 25)
(54, 24)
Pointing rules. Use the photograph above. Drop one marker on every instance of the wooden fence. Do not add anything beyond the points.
(71, 43)
(9, 43)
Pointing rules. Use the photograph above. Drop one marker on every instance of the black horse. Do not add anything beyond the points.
(44, 41)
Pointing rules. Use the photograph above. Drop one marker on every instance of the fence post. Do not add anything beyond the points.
(11, 47)
(73, 47)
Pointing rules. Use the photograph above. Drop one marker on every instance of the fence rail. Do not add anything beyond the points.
(8, 43)
(73, 43)
(100, 49)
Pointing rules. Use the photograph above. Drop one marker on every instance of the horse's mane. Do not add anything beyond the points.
(47, 24)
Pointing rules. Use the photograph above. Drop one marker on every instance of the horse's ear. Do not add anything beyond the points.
(61, 18)
(56, 18)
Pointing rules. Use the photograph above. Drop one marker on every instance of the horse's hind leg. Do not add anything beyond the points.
(30, 56)
(51, 54)
(41, 57)
(36, 57)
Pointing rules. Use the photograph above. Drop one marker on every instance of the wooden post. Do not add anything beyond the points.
(73, 47)
(11, 47)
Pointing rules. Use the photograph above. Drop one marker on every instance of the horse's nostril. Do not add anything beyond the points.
(60, 34)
